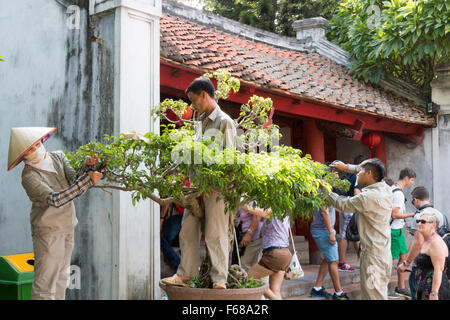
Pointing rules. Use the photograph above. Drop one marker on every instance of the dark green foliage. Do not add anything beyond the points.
(272, 15)
(403, 38)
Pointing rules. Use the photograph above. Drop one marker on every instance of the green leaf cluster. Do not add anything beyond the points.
(403, 38)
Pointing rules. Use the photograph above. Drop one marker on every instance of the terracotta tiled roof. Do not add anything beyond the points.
(308, 75)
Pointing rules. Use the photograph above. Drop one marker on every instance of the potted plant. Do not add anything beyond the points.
(155, 167)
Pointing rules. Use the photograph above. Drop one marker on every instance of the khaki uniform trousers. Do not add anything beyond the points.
(52, 254)
(252, 254)
(375, 274)
(216, 239)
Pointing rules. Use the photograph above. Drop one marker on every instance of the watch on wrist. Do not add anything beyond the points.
(433, 293)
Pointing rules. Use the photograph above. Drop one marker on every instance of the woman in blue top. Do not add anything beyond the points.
(276, 256)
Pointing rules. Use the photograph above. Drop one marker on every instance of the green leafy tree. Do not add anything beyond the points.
(403, 38)
(272, 15)
(156, 166)
(260, 14)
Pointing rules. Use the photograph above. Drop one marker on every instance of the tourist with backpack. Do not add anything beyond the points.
(421, 200)
(399, 250)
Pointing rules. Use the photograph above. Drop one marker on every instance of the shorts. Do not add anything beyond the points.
(398, 243)
(276, 259)
(322, 239)
(347, 218)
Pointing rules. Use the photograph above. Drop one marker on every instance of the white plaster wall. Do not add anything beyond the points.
(34, 47)
(443, 185)
(48, 80)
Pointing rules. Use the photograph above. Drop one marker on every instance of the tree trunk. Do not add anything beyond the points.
(204, 278)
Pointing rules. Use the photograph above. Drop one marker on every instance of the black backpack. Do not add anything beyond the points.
(445, 229)
(352, 233)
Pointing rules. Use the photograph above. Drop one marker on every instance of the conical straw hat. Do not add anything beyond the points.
(22, 139)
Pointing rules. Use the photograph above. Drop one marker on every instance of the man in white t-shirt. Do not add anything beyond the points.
(399, 249)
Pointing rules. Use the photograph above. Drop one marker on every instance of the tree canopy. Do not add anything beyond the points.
(272, 15)
(403, 38)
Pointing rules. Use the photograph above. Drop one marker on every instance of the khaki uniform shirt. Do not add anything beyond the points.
(374, 206)
(219, 120)
(38, 184)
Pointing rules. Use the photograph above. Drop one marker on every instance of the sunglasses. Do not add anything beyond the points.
(422, 221)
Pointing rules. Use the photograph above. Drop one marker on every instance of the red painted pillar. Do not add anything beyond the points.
(314, 140)
(315, 147)
(379, 151)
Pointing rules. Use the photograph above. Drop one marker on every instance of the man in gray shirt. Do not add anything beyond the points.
(374, 208)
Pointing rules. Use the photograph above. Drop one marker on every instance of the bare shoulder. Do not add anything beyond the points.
(438, 246)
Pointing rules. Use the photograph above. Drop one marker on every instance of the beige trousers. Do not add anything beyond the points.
(52, 266)
(375, 274)
(216, 239)
(252, 254)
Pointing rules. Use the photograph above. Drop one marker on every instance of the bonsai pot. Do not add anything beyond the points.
(184, 293)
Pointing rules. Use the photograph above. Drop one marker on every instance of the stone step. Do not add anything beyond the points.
(292, 288)
(302, 248)
(301, 287)
(353, 291)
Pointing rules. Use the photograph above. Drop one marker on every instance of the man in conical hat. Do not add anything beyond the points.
(52, 185)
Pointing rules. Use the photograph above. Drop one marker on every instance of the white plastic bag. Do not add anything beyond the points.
(295, 270)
